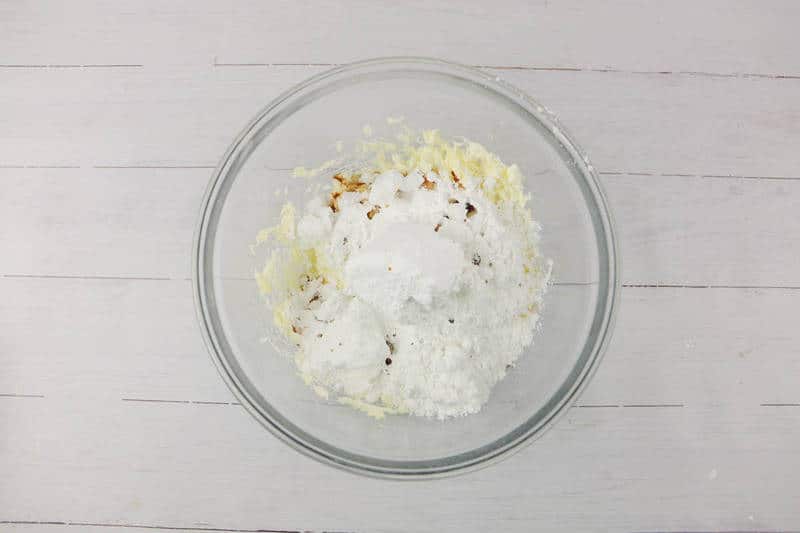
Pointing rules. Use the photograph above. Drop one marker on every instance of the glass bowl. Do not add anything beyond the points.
(300, 127)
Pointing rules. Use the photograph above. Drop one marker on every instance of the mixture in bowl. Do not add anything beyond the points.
(413, 282)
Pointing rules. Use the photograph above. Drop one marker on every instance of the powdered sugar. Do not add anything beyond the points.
(418, 290)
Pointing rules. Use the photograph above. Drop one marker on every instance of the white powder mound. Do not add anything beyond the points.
(417, 291)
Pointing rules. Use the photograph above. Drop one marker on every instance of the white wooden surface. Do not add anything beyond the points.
(112, 416)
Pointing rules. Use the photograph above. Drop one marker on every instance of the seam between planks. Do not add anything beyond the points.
(696, 175)
(532, 68)
(610, 173)
(61, 66)
(703, 286)
(93, 277)
(186, 402)
(637, 405)
(535, 68)
(145, 526)
(624, 285)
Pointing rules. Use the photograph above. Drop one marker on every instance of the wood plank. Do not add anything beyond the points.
(105, 117)
(713, 36)
(693, 347)
(626, 122)
(104, 339)
(140, 223)
(698, 231)
(100, 222)
(182, 465)
(71, 527)
(700, 347)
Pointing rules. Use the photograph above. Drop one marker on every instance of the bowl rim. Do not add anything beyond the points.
(607, 311)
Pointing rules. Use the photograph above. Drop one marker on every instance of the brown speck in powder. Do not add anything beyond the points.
(427, 184)
(437, 227)
(352, 184)
(344, 241)
(314, 298)
(471, 210)
(296, 329)
(456, 180)
(451, 320)
(452, 201)
(476, 259)
(388, 361)
(362, 201)
(446, 216)
(333, 203)
(319, 335)
(389, 268)
(374, 211)
(390, 345)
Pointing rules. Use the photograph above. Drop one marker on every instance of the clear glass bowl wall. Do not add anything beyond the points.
(301, 128)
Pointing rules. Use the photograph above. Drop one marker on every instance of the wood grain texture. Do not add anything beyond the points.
(139, 223)
(626, 122)
(112, 416)
(693, 347)
(713, 36)
(118, 527)
(181, 465)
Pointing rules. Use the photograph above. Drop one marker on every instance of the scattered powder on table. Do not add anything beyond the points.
(414, 284)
